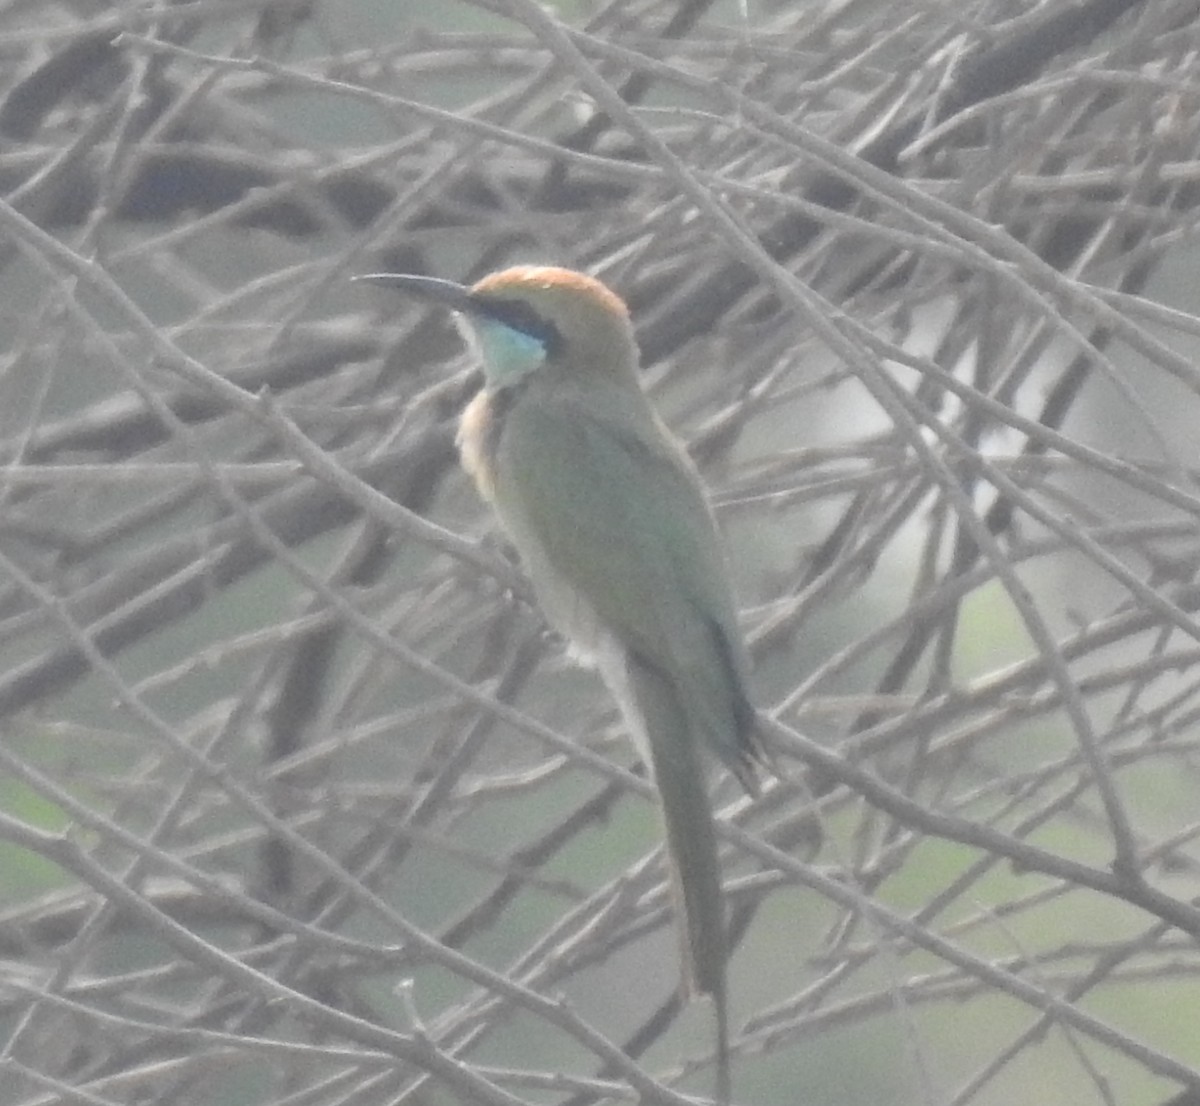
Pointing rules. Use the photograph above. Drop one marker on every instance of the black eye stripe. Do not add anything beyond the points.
(520, 316)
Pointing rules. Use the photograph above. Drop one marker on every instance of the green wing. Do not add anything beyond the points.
(618, 513)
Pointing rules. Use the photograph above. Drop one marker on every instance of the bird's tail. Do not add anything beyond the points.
(691, 844)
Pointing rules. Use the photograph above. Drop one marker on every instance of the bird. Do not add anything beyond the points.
(614, 528)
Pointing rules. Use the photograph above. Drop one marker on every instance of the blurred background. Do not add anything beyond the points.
(300, 802)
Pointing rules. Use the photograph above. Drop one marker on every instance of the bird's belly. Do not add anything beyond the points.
(568, 611)
(590, 641)
(565, 607)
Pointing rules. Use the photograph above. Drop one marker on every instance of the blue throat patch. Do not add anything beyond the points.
(508, 354)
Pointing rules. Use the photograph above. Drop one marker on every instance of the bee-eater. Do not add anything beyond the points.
(611, 521)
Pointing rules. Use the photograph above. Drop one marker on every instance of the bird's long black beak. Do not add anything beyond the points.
(449, 294)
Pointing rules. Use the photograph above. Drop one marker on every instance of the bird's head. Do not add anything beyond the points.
(532, 316)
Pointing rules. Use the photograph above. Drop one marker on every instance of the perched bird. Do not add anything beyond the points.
(611, 521)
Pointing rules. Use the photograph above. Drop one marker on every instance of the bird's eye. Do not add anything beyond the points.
(522, 317)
